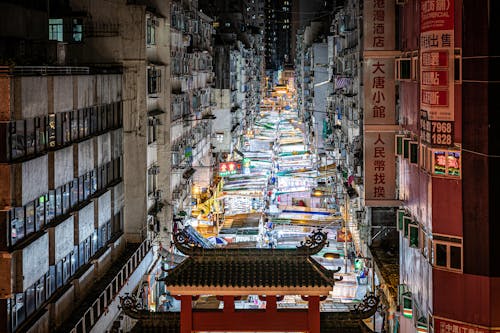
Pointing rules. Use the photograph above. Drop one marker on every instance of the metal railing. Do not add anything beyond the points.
(99, 306)
(44, 70)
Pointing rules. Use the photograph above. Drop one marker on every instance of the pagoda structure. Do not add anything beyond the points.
(230, 274)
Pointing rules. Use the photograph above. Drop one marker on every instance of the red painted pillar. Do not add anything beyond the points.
(186, 314)
(228, 303)
(313, 314)
(271, 305)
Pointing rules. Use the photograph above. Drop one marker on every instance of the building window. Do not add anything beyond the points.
(404, 69)
(153, 124)
(152, 179)
(447, 252)
(151, 32)
(77, 30)
(154, 81)
(17, 224)
(56, 29)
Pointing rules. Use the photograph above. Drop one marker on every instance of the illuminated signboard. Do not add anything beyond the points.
(229, 168)
(446, 163)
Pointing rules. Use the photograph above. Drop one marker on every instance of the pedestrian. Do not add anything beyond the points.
(162, 300)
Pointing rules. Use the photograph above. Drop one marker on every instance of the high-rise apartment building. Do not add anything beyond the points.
(448, 153)
(278, 19)
(62, 180)
(413, 133)
(105, 113)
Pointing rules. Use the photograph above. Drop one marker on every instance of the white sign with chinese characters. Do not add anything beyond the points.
(379, 90)
(378, 27)
(380, 170)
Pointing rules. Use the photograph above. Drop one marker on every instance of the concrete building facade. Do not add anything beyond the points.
(90, 141)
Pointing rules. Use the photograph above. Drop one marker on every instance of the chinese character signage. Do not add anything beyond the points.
(379, 91)
(380, 175)
(437, 61)
(448, 326)
(378, 25)
(379, 102)
(436, 133)
(446, 163)
(229, 168)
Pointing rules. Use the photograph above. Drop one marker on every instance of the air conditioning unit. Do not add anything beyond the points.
(154, 122)
(360, 215)
(154, 170)
(157, 194)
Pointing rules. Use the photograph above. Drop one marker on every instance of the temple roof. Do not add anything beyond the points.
(340, 322)
(243, 271)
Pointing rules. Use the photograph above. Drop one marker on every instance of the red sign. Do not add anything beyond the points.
(229, 168)
(434, 97)
(435, 59)
(447, 326)
(436, 15)
(435, 78)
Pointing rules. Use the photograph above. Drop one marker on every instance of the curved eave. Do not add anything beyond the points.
(192, 251)
(243, 291)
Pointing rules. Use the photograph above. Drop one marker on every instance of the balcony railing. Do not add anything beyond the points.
(44, 70)
(93, 308)
(29, 138)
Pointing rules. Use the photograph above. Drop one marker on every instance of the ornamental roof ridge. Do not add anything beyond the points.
(311, 246)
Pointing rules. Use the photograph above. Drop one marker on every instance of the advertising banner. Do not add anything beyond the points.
(437, 71)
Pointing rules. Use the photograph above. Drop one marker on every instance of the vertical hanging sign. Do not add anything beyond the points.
(437, 70)
(379, 103)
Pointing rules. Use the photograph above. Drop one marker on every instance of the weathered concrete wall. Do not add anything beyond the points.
(35, 260)
(28, 22)
(33, 98)
(103, 89)
(83, 283)
(116, 143)
(63, 166)
(103, 262)
(61, 306)
(152, 155)
(63, 93)
(135, 150)
(63, 239)
(85, 90)
(42, 324)
(103, 149)
(35, 180)
(85, 156)
(85, 225)
(104, 208)
(118, 197)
